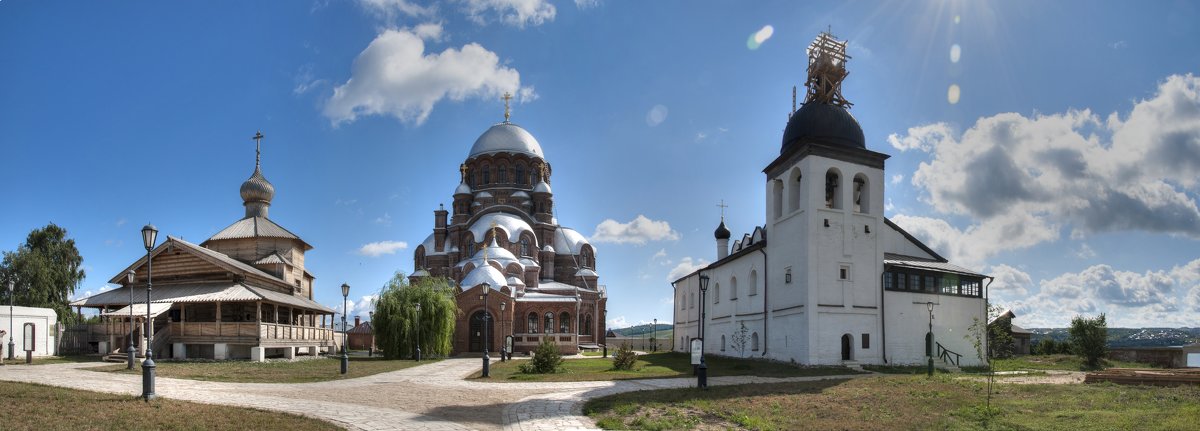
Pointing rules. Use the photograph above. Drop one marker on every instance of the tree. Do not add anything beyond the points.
(1000, 340)
(739, 339)
(1047, 346)
(47, 269)
(546, 359)
(625, 357)
(1089, 338)
(395, 318)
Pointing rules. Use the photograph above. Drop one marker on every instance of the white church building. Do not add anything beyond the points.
(828, 279)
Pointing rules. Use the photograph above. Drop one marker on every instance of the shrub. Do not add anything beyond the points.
(624, 358)
(546, 359)
(1089, 338)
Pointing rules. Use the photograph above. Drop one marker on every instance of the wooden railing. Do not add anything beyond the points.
(269, 331)
(293, 332)
(945, 355)
(534, 339)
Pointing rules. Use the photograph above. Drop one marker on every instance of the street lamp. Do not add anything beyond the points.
(654, 337)
(418, 332)
(602, 319)
(486, 288)
(702, 371)
(129, 349)
(503, 347)
(929, 339)
(345, 355)
(11, 345)
(149, 235)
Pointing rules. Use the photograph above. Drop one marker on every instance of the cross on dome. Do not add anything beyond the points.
(507, 96)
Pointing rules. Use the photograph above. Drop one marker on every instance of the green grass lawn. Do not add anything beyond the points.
(36, 407)
(303, 371)
(901, 402)
(592, 353)
(657, 365)
(46, 360)
(1057, 362)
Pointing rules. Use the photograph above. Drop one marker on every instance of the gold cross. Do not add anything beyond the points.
(722, 206)
(507, 96)
(258, 136)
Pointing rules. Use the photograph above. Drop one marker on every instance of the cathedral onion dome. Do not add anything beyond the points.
(506, 138)
(824, 123)
(520, 194)
(541, 187)
(257, 193)
(548, 248)
(484, 274)
(568, 241)
(515, 282)
(722, 232)
(463, 189)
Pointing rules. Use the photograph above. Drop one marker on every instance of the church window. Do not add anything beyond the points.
(832, 198)
(754, 342)
(549, 322)
(887, 281)
(794, 190)
(487, 174)
(716, 293)
(521, 178)
(732, 287)
(502, 174)
(930, 283)
(844, 272)
(914, 282)
(787, 275)
(564, 323)
(753, 282)
(900, 281)
(587, 325)
(722, 343)
(866, 341)
(862, 196)
(950, 284)
(524, 246)
(777, 197)
(533, 323)
(692, 300)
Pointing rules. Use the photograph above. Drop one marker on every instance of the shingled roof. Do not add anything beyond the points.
(255, 227)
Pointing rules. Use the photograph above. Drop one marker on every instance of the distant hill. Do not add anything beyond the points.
(664, 330)
(1130, 337)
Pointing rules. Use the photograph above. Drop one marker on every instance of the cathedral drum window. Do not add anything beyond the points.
(533, 323)
(564, 323)
(832, 182)
(549, 322)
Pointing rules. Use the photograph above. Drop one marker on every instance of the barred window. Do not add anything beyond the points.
(887, 281)
(930, 283)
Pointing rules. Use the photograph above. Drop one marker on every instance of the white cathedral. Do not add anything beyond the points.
(828, 279)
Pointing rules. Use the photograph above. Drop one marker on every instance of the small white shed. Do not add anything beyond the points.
(45, 330)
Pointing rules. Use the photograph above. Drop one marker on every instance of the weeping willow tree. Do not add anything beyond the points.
(395, 318)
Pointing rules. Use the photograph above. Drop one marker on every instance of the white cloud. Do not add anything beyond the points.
(1010, 282)
(661, 254)
(896, 179)
(385, 219)
(970, 247)
(363, 307)
(517, 13)
(656, 115)
(1085, 252)
(1120, 44)
(686, 266)
(618, 322)
(1030, 177)
(304, 80)
(700, 136)
(121, 221)
(586, 4)
(389, 10)
(379, 248)
(638, 231)
(395, 76)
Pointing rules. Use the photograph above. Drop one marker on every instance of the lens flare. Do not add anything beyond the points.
(955, 53)
(757, 38)
(956, 19)
(953, 94)
(656, 116)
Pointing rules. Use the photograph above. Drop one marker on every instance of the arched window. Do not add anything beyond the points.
(419, 258)
(777, 197)
(533, 323)
(722, 343)
(587, 257)
(716, 293)
(524, 246)
(521, 178)
(754, 342)
(587, 324)
(862, 194)
(833, 198)
(692, 300)
(502, 174)
(549, 322)
(732, 287)
(793, 186)
(487, 174)
(564, 323)
(753, 282)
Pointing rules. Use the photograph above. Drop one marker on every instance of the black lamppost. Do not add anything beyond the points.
(654, 337)
(605, 316)
(929, 339)
(11, 345)
(418, 332)
(149, 235)
(702, 371)
(129, 349)
(345, 354)
(503, 347)
(486, 288)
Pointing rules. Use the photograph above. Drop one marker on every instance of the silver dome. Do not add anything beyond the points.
(506, 138)
(257, 188)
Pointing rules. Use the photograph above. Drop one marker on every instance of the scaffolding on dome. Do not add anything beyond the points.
(826, 71)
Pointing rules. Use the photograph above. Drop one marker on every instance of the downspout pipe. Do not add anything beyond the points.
(766, 301)
(883, 314)
(987, 350)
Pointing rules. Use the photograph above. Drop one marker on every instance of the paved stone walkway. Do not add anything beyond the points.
(434, 396)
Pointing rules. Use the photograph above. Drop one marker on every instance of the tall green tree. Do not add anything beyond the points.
(395, 318)
(1089, 338)
(47, 269)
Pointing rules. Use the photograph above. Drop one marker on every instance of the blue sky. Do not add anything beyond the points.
(1067, 166)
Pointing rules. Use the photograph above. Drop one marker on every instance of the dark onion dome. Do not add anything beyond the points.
(722, 232)
(823, 123)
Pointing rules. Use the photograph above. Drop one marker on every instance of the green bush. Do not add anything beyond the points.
(624, 358)
(546, 359)
(1089, 338)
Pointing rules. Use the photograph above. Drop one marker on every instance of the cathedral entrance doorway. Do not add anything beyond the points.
(477, 331)
(847, 342)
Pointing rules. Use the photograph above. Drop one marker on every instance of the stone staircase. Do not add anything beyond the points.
(853, 365)
(942, 365)
(121, 357)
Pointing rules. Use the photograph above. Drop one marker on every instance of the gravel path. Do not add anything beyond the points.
(434, 396)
